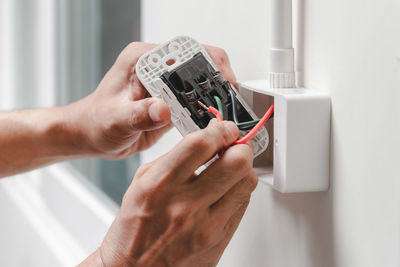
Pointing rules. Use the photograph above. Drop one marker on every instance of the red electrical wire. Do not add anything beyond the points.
(252, 132)
(256, 128)
(212, 110)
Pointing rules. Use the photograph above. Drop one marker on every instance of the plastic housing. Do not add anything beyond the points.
(169, 56)
(297, 159)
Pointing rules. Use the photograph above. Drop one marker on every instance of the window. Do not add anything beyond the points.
(91, 34)
(53, 53)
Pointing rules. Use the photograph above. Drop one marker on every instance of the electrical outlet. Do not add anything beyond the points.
(297, 158)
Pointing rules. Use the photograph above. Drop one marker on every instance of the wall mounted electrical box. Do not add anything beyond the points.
(297, 157)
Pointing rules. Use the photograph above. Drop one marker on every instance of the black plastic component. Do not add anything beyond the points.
(196, 80)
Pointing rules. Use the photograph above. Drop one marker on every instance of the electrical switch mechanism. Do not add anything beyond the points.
(182, 73)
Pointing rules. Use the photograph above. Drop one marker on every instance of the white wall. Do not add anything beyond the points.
(352, 50)
(27, 51)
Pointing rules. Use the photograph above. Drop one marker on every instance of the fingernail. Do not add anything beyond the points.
(154, 112)
(232, 128)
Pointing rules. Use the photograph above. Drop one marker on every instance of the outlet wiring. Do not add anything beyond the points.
(253, 131)
(256, 128)
(220, 108)
(241, 125)
(233, 100)
(246, 124)
(211, 109)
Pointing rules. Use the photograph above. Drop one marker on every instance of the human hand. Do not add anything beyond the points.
(117, 120)
(171, 217)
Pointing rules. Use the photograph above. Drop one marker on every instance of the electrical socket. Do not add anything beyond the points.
(297, 158)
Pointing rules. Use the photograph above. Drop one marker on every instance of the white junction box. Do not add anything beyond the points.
(297, 158)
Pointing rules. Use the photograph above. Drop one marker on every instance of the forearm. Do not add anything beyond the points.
(34, 138)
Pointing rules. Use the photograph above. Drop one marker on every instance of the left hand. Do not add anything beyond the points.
(117, 120)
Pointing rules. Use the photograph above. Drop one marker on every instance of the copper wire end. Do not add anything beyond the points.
(202, 105)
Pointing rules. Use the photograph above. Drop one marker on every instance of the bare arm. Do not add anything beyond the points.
(113, 122)
(33, 138)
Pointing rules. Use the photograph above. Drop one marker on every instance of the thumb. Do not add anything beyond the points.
(149, 114)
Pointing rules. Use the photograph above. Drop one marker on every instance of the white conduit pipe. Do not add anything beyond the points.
(281, 64)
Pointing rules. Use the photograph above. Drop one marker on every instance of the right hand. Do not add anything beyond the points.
(171, 217)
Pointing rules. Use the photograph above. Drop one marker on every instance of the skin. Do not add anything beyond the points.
(169, 216)
(183, 219)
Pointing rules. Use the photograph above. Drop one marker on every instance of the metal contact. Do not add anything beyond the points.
(205, 85)
(219, 77)
(191, 96)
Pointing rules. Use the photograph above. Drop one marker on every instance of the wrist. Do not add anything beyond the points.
(61, 134)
